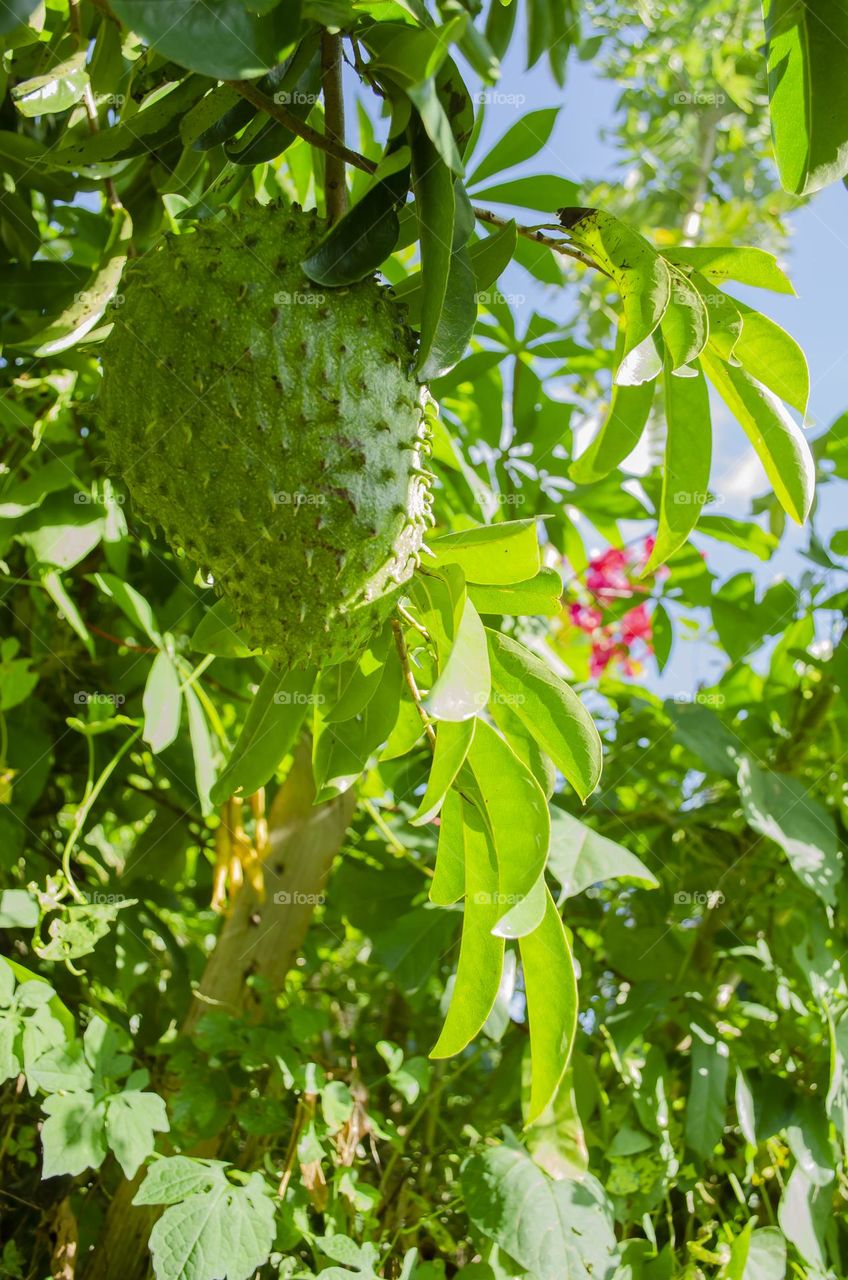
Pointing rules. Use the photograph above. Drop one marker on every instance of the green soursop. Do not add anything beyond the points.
(274, 431)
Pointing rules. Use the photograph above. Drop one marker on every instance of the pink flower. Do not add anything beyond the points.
(585, 617)
(604, 649)
(636, 625)
(607, 574)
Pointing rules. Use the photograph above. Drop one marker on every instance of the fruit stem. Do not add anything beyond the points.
(335, 184)
(409, 676)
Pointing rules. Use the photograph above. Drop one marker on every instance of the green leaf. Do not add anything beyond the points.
(341, 752)
(133, 1118)
(55, 91)
(550, 709)
(491, 255)
(448, 883)
(685, 325)
(72, 1135)
(15, 13)
(550, 986)
(516, 810)
(520, 142)
(456, 321)
(18, 910)
(213, 1227)
(270, 728)
(705, 1106)
(740, 533)
(719, 263)
(808, 91)
(435, 204)
(453, 738)
(132, 605)
(581, 857)
(464, 683)
(162, 703)
(201, 747)
(90, 303)
(686, 466)
(776, 437)
(780, 808)
(230, 41)
(662, 635)
(496, 554)
(756, 1255)
(538, 596)
(550, 1228)
(481, 953)
(640, 274)
(217, 632)
(358, 243)
(545, 193)
(770, 355)
(619, 433)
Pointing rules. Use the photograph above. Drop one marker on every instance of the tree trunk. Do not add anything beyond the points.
(260, 937)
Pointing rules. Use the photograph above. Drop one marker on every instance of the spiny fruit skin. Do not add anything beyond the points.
(273, 430)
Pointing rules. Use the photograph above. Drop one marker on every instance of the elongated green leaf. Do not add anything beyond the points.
(457, 319)
(481, 952)
(448, 883)
(706, 1104)
(201, 748)
(497, 554)
(132, 605)
(88, 305)
(270, 729)
(724, 315)
(620, 432)
(217, 632)
(779, 807)
(581, 857)
(776, 437)
(545, 193)
(462, 689)
(740, 533)
(551, 989)
(54, 91)
(491, 255)
(641, 275)
(538, 596)
(808, 91)
(685, 325)
(550, 709)
(452, 742)
(718, 263)
(520, 142)
(356, 245)
(686, 467)
(517, 812)
(771, 356)
(15, 13)
(162, 703)
(435, 204)
(229, 41)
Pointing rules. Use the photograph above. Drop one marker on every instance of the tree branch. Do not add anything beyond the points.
(324, 142)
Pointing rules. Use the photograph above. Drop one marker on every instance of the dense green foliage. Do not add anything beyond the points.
(441, 946)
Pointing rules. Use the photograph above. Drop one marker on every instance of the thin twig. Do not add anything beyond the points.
(335, 184)
(248, 90)
(530, 233)
(403, 654)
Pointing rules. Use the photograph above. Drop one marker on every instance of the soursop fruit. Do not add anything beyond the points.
(274, 431)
